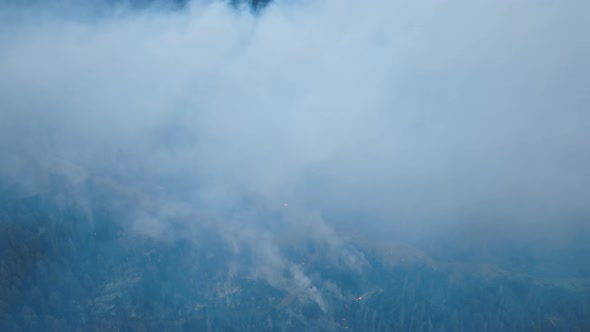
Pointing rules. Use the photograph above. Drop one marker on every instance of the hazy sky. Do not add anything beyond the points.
(382, 117)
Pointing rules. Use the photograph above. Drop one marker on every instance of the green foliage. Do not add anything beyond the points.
(60, 271)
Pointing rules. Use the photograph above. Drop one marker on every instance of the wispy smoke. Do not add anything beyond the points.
(377, 118)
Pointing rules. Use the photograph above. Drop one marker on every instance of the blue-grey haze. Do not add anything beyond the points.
(294, 165)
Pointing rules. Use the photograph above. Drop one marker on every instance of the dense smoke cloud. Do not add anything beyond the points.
(306, 121)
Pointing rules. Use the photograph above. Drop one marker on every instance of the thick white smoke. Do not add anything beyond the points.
(375, 118)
